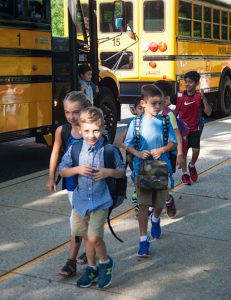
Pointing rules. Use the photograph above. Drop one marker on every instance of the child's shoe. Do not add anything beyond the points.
(193, 172)
(105, 273)
(144, 249)
(89, 276)
(185, 179)
(170, 207)
(155, 230)
(134, 197)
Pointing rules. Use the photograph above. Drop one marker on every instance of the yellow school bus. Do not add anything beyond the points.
(42, 42)
(164, 39)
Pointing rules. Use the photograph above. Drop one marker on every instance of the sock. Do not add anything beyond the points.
(104, 261)
(150, 209)
(169, 200)
(154, 219)
(93, 267)
(143, 238)
(185, 173)
(191, 165)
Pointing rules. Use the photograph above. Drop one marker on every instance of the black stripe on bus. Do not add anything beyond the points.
(27, 25)
(25, 52)
(182, 57)
(25, 79)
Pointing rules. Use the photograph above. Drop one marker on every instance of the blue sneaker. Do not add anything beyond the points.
(155, 230)
(105, 274)
(87, 278)
(144, 249)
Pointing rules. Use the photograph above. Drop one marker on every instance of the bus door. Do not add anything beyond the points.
(157, 40)
(118, 51)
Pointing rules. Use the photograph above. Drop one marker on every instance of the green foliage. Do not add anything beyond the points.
(57, 17)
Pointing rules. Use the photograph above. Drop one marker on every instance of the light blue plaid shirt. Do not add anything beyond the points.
(90, 194)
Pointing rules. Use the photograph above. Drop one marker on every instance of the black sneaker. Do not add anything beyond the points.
(170, 207)
(89, 276)
(105, 274)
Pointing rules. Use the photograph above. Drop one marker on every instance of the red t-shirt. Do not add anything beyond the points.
(189, 108)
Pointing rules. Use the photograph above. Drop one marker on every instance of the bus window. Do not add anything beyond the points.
(224, 25)
(107, 16)
(6, 8)
(207, 23)
(153, 16)
(197, 22)
(125, 60)
(35, 10)
(185, 18)
(216, 24)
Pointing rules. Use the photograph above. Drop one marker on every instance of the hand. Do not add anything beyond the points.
(156, 153)
(143, 154)
(96, 89)
(101, 173)
(85, 170)
(51, 186)
(180, 161)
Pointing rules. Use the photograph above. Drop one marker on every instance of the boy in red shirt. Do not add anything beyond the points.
(190, 104)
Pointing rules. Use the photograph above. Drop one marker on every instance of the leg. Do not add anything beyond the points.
(195, 155)
(143, 219)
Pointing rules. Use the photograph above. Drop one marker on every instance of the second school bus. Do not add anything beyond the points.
(164, 39)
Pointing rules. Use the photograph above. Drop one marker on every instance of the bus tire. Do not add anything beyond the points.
(107, 102)
(224, 105)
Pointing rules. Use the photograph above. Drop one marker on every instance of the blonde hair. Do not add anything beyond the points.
(77, 96)
(92, 115)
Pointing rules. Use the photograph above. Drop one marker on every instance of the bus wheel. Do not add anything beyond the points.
(224, 106)
(107, 103)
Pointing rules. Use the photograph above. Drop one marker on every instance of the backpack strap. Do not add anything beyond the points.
(166, 111)
(137, 129)
(65, 133)
(75, 152)
(166, 124)
(109, 162)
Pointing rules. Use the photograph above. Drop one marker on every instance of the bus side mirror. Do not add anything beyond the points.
(119, 15)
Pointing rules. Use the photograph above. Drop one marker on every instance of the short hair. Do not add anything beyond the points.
(137, 102)
(165, 87)
(77, 96)
(92, 115)
(193, 75)
(84, 68)
(150, 90)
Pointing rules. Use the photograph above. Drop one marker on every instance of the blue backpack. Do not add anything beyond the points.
(117, 186)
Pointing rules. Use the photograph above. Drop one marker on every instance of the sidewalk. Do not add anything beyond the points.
(192, 260)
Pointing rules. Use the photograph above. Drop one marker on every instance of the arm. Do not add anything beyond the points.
(140, 154)
(122, 139)
(207, 107)
(66, 168)
(179, 148)
(156, 153)
(51, 186)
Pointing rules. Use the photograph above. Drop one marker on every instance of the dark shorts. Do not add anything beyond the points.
(194, 138)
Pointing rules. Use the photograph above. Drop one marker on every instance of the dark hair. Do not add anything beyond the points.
(165, 87)
(150, 90)
(84, 68)
(77, 96)
(137, 102)
(193, 75)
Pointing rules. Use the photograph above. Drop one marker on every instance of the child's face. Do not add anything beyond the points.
(139, 110)
(152, 105)
(72, 110)
(86, 76)
(190, 85)
(167, 101)
(91, 132)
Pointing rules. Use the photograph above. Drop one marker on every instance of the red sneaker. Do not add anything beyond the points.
(185, 179)
(193, 173)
